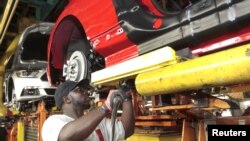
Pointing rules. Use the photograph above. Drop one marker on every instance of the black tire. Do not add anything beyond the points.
(12, 97)
(5, 96)
(8, 84)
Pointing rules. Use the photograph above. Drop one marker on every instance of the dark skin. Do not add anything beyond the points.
(83, 126)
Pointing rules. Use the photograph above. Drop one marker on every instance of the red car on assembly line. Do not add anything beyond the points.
(110, 35)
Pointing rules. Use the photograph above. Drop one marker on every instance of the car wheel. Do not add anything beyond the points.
(7, 91)
(77, 66)
(13, 101)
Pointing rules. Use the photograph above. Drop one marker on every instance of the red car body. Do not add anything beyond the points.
(120, 30)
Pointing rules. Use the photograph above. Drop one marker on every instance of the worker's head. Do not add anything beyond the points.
(76, 93)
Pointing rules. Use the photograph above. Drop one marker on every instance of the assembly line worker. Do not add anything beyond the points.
(73, 125)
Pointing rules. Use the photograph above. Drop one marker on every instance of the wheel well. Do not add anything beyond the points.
(60, 44)
(3, 91)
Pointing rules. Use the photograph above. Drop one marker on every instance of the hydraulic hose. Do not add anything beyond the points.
(116, 104)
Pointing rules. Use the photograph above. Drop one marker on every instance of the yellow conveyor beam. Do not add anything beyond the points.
(153, 60)
(223, 68)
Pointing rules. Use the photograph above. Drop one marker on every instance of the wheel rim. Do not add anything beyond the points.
(76, 67)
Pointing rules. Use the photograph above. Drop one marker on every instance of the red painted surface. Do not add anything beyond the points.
(92, 14)
(222, 41)
(111, 41)
(121, 56)
(100, 23)
(157, 23)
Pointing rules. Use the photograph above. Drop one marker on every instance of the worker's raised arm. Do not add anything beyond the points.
(128, 118)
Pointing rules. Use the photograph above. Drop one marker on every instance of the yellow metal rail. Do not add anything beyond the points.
(7, 16)
(20, 130)
(130, 68)
(222, 68)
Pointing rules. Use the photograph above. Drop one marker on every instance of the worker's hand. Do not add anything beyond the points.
(109, 101)
(124, 95)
